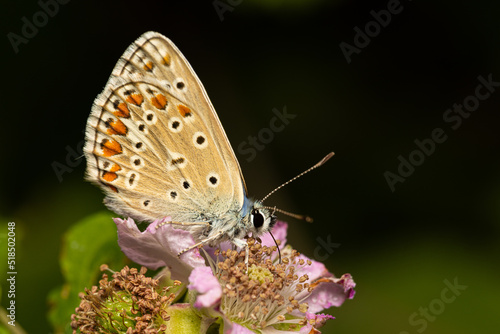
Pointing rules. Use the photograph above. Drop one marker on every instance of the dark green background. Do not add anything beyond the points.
(440, 224)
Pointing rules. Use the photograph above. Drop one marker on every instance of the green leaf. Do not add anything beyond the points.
(4, 330)
(88, 244)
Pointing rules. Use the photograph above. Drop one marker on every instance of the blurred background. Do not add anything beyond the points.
(407, 225)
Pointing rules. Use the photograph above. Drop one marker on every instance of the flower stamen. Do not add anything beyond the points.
(262, 295)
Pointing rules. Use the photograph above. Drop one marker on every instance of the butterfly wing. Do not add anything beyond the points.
(154, 142)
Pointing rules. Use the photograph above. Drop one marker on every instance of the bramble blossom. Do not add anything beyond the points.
(269, 294)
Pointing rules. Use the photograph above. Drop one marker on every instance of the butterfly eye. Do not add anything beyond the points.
(257, 218)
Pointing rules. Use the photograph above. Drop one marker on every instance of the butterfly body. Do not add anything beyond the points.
(233, 225)
(156, 147)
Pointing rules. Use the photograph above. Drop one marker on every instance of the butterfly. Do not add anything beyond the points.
(156, 147)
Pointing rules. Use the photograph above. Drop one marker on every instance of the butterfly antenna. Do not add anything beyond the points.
(325, 159)
(277, 246)
(294, 215)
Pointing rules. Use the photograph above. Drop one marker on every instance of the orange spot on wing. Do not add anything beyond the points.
(112, 187)
(109, 176)
(183, 110)
(159, 101)
(166, 60)
(110, 147)
(115, 168)
(116, 128)
(122, 111)
(148, 66)
(135, 99)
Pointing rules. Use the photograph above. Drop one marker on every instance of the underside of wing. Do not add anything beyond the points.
(155, 143)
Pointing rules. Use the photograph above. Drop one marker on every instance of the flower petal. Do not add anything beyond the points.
(158, 246)
(207, 285)
(330, 291)
(348, 284)
(319, 321)
(314, 271)
(234, 328)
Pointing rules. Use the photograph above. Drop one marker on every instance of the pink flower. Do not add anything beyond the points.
(269, 297)
(263, 295)
(204, 282)
(158, 246)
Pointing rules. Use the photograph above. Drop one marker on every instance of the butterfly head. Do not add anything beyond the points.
(261, 219)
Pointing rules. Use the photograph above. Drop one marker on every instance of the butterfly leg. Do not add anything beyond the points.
(203, 242)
